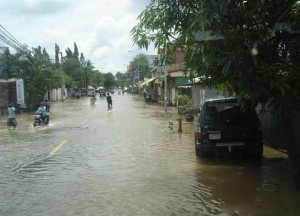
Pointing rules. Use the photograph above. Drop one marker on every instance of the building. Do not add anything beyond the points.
(175, 78)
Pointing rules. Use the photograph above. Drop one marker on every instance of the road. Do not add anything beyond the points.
(127, 162)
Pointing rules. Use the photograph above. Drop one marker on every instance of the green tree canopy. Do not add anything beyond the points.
(109, 80)
(57, 52)
(140, 64)
(122, 79)
(36, 73)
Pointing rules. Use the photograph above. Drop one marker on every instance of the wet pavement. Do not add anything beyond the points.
(127, 162)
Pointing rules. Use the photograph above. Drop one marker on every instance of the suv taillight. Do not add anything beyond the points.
(199, 133)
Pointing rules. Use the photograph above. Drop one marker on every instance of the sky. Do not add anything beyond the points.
(100, 28)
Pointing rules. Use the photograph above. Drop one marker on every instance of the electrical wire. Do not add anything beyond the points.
(8, 39)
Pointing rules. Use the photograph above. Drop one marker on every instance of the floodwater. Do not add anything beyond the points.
(128, 162)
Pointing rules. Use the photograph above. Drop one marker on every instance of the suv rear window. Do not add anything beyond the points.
(228, 113)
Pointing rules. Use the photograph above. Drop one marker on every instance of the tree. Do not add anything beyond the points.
(57, 51)
(69, 53)
(75, 53)
(35, 72)
(250, 49)
(122, 79)
(98, 79)
(46, 55)
(89, 73)
(71, 67)
(6, 65)
(140, 65)
(109, 80)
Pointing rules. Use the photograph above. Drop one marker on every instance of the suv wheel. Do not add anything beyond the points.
(198, 152)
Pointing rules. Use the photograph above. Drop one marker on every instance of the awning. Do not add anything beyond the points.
(148, 81)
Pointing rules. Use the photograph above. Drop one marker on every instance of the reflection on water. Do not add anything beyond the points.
(127, 162)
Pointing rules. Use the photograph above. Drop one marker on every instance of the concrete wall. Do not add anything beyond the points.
(272, 130)
(199, 94)
(56, 94)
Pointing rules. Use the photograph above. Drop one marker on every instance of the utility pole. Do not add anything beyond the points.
(63, 79)
(166, 81)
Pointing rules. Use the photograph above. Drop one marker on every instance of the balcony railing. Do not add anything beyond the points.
(170, 68)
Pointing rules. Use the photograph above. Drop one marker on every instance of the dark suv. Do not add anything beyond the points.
(224, 124)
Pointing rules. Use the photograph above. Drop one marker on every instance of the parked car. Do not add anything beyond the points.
(224, 124)
(75, 95)
(82, 91)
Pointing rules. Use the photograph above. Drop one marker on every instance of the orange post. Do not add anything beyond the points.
(179, 124)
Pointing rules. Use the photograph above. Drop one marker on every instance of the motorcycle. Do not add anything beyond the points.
(93, 100)
(40, 120)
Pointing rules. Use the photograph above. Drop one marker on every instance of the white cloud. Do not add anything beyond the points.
(100, 28)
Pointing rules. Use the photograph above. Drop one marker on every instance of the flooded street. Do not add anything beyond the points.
(127, 162)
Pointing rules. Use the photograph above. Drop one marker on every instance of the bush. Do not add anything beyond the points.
(185, 104)
(182, 99)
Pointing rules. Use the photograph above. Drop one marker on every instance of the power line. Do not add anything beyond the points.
(11, 41)
(7, 42)
(11, 36)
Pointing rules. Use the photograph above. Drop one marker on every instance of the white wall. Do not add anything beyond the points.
(56, 94)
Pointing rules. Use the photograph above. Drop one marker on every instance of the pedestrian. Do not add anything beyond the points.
(11, 121)
(109, 102)
(145, 94)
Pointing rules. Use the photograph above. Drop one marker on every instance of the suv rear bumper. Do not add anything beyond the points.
(212, 147)
(216, 145)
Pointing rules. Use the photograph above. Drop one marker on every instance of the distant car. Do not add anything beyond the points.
(100, 89)
(91, 91)
(82, 91)
(75, 93)
(225, 125)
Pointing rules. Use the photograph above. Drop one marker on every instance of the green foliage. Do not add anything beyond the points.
(185, 104)
(71, 67)
(122, 80)
(36, 73)
(39, 73)
(109, 81)
(7, 67)
(249, 49)
(182, 99)
(141, 64)
(57, 51)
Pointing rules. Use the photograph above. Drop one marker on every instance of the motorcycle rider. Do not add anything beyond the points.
(47, 107)
(42, 112)
(93, 99)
